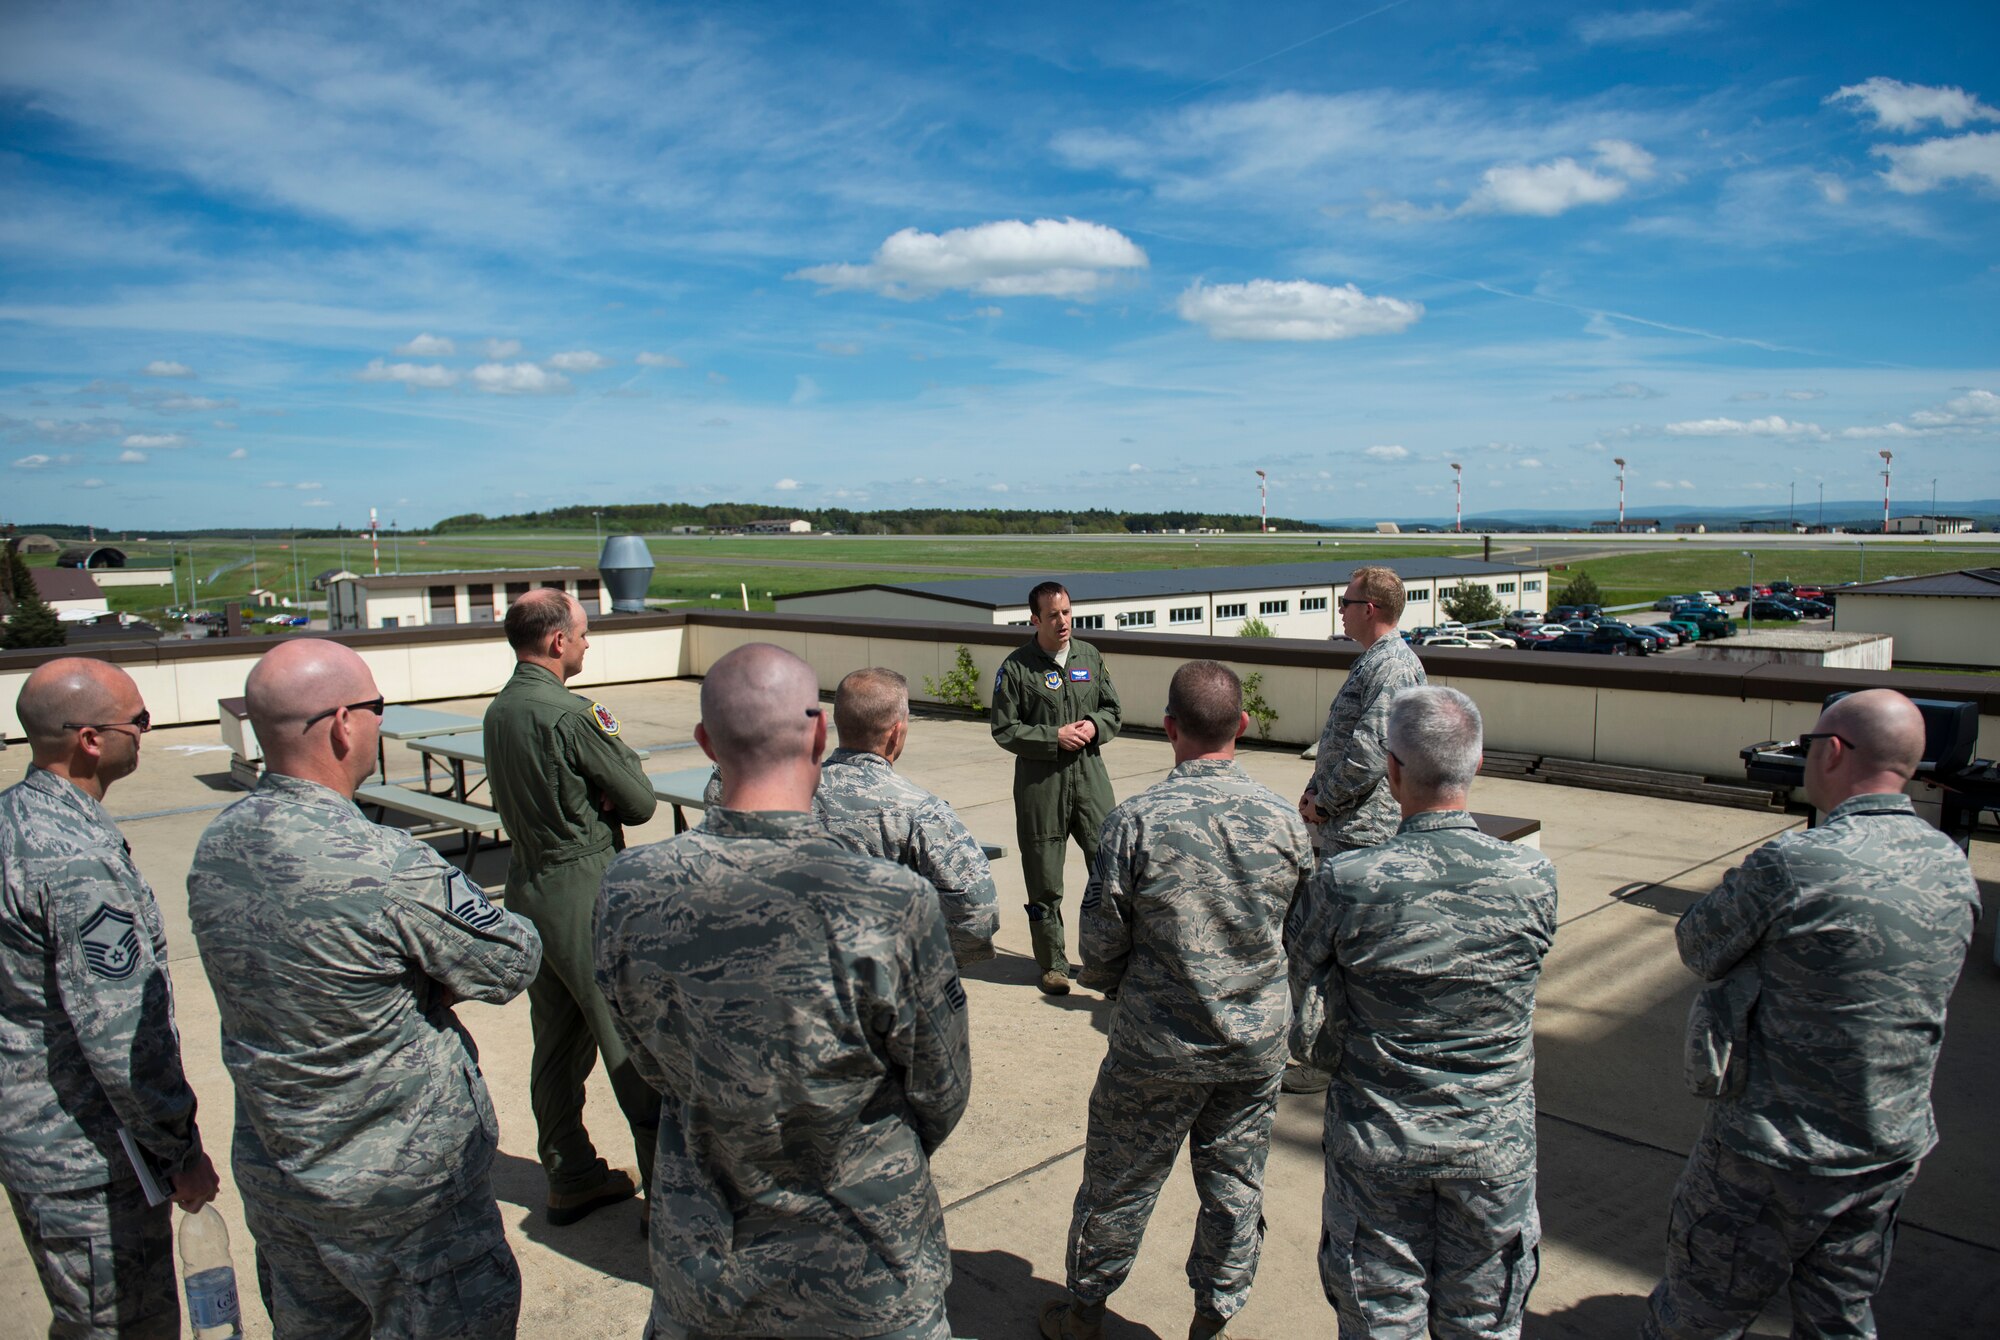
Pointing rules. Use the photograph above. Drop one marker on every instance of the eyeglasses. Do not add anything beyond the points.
(1345, 602)
(815, 711)
(1805, 740)
(141, 723)
(374, 705)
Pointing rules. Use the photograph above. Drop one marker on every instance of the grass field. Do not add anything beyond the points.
(691, 569)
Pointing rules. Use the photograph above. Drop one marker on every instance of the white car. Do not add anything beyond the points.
(1480, 637)
(1456, 640)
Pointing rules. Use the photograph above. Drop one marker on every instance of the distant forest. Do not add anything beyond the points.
(895, 521)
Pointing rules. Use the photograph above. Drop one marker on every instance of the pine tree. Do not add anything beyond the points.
(33, 623)
(1473, 603)
(1580, 591)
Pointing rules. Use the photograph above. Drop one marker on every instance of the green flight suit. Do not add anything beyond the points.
(565, 785)
(1058, 793)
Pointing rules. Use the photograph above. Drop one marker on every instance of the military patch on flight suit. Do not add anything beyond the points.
(1053, 679)
(605, 721)
(467, 902)
(110, 942)
(1080, 675)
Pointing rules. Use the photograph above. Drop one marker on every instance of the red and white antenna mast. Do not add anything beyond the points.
(375, 540)
(1263, 507)
(1886, 458)
(1457, 497)
(1619, 461)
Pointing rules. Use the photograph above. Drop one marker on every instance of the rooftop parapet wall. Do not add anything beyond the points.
(1679, 715)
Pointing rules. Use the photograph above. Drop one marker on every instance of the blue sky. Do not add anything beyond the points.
(272, 265)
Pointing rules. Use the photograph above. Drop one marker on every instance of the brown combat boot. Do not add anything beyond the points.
(566, 1207)
(1068, 1319)
(1055, 982)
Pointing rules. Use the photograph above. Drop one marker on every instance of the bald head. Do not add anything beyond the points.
(298, 680)
(868, 705)
(757, 709)
(1884, 729)
(73, 689)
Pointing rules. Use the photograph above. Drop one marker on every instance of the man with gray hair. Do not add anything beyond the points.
(1182, 922)
(866, 805)
(796, 1006)
(1848, 939)
(337, 949)
(88, 1047)
(1413, 970)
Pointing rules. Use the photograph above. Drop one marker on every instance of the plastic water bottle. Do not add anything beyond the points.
(209, 1276)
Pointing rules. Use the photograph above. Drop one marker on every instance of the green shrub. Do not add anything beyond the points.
(960, 685)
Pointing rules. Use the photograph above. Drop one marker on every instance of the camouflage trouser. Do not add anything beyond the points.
(1137, 1124)
(660, 1327)
(106, 1260)
(450, 1278)
(1451, 1257)
(1310, 1078)
(1739, 1229)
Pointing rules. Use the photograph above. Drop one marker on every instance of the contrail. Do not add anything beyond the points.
(1304, 41)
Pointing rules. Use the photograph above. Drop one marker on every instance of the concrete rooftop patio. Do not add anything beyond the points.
(1615, 1120)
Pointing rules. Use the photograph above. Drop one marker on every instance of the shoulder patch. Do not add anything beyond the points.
(602, 716)
(1079, 675)
(1053, 679)
(467, 902)
(955, 994)
(110, 942)
(998, 676)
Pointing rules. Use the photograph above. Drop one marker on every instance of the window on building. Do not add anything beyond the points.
(554, 586)
(1531, 586)
(589, 596)
(480, 601)
(1417, 595)
(515, 590)
(1274, 607)
(1136, 619)
(1504, 588)
(1312, 604)
(391, 622)
(1087, 621)
(1019, 623)
(1231, 611)
(444, 604)
(1185, 614)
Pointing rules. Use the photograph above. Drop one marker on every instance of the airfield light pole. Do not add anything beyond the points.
(1886, 456)
(1934, 526)
(1619, 461)
(1750, 604)
(375, 540)
(597, 525)
(396, 541)
(1263, 507)
(1822, 504)
(1792, 505)
(1457, 498)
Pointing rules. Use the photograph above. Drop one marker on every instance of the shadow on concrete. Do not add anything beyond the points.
(1089, 1002)
(219, 781)
(1005, 967)
(607, 1241)
(1591, 1319)
(997, 1296)
(1667, 898)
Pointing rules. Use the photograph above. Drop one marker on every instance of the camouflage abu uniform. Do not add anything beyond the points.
(1349, 773)
(336, 948)
(87, 1045)
(797, 1008)
(554, 761)
(1059, 793)
(1856, 931)
(867, 806)
(1182, 920)
(1414, 966)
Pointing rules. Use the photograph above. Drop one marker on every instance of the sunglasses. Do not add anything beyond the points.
(141, 723)
(1345, 602)
(374, 705)
(1805, 740)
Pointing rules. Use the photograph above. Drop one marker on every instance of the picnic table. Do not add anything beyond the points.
(459, 750)
(402, 722)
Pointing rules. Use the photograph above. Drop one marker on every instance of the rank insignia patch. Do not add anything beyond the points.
(1053, 679)
(110, 943)
(605, 721)
(467, 902)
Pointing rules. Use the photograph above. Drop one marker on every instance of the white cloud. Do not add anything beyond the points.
(1294, 309)
(132, 457)
(164, 367)
(1528, 463)
(1616, 391)
(1916, 168)
(1751, 395)
(1388, 453)
(32, 462)
(1896, 105)
(91, 484)
(225, 425)
(1771, 426)
(1135, 469)
(310, 486)
(518, 379)
(411, 375)
(499, 349)
(804, 390)
(155, 440)
(1542, 191)
(240, 454)
(1638, 25)
(650, 360)
(1805, 395)
(65, 432)
(428, 346)
(717, 379)
(988, 313)
(840, 348)
(1056, 258)
(786, 485)
(579, 360)
(317, 502)
(194, 404)
(996, 488)
(1625, 158)
(1673, 484)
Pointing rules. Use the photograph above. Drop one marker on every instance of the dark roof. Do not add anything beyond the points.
(1153, 584)
(411, 581)
(66, 584)
(91, 556)
(1965, 582)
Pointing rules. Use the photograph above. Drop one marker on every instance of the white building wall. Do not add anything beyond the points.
(1929, 630)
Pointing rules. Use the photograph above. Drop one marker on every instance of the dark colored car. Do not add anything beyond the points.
(1775, 609)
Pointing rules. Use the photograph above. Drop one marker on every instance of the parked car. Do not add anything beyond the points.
(1450, 640)
(1521, 621)
(1689, 629)
(1749, 592)
(1595, 645)
(1669, 602)
(1485, 637)
(1451, 627)
(1709, 597)
(1812, 609)
(1710, 621)
(301, 621)
(1669, 635)
(1809, 592)
(1536, 638)
(1781, 588)
(1775, 609)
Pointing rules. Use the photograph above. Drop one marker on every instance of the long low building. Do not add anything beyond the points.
(1291, 599)
(425, 599)
(1943, 618)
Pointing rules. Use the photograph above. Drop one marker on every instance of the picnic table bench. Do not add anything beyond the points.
(444, 813)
